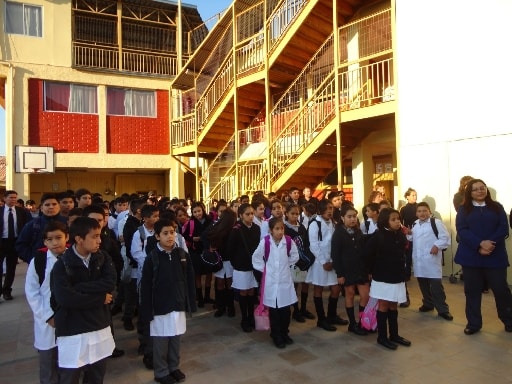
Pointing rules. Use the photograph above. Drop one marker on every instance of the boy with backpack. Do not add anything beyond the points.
(37, 290)
(430, 238)
(167, 292)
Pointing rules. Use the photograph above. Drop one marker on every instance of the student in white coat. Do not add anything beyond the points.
(427, 256)
(278, 253)
(37, 290)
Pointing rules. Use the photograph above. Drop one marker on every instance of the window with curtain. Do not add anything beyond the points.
(65, 97)
(23, 19)
(131, 102)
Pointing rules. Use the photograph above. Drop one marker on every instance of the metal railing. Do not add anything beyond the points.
(150, 63)
(251, 55)
(183, 131)
(224, 159)
(250, 176)
(281, 19)
(95, 56)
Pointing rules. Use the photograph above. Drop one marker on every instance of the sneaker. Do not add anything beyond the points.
(165, 380)
(178, 376)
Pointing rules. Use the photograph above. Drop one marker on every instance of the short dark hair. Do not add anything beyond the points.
(81, 226)
(55, 225)
(10, 192)
(82, 191)
(373, 207)
(93, 208)
(65, 195)
(48, 196)
(161, 223)
(75, 211)
(148, 210)
(423, 204)
(273, 221)
(293, 189)
(383, 220)
(136, 204)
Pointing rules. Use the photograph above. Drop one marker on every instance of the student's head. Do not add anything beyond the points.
(55, 236)
(349, 216)
(292, 214)
(335, 198)
(309, 209)
(218, 234)
(31, 206)
(120, 204)
(375, 197)
(181, 215)
(83, 197)
(276, 208)
(10, 198)
(165, 233)
(372, 210)
(97, 212)
(306, 192)
(85, 233)
(325, 209)
(136, 207)
(244, 199)
(246, 213)
(411, 196)
(150, 215)
(66, 202)
(423, 210)
(389, 219)
(198, 210)
(20, 203)
(73, 214)
(294, 194)
(259, 208)
(276, 227)
(222, 206)
(49, 205)
(385, 204)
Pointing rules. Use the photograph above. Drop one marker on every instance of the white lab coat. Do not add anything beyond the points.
(38, 298)
(279, 289)
(423, 239)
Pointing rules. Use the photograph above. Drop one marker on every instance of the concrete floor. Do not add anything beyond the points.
(215, 350)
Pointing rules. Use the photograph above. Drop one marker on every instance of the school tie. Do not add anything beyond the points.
(10, 225)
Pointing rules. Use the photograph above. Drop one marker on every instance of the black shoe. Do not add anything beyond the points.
(231, 311)
(165, 380)
(147, 360)
(387, 343)
(424, 308)
(470, 331)
(8, 296)
(200, 304)
(508, 328)
(400, 340)
(209, 300)
(324, 324)
(178, 376)
(297, 316)
(337, 320)
(288, 340)
(357, 330)
(117, 353)
(128, 325)
(308, 315)
(141, 349)
(116, 309)
(405, 304)
(279, 343)
(446, 315)
(246, 327)
(219, 312)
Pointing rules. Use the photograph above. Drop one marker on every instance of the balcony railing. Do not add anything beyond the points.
(251, 55)
(95, 56)
(281, 19)
(183, 131)
(150, 63)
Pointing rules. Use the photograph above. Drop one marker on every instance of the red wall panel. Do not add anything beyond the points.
(141, 135)
(66, 132)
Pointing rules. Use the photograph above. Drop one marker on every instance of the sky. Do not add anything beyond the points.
(206, 8)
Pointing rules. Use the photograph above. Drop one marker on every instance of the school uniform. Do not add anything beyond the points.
(317, 275)
(347, 256)
(428, 268)
(38, 297)
(279, 291)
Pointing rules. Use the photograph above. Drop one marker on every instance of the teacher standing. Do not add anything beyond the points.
(482, 228)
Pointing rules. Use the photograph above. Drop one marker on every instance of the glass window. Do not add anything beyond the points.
(24, 19)
(64, 97)
(131, 102)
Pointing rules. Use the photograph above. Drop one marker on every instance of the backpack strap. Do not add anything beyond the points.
(266, 239)
(319, 228)
(142, 234)
(288, 244)
(434, 227)
(367, 225)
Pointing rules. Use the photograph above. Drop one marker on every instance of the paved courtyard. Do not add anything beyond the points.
(217, 351)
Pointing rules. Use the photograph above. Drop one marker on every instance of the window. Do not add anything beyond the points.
(131, 102)
(64, 97)
(23, 19)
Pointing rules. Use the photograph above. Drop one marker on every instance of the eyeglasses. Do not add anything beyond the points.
(482, 189)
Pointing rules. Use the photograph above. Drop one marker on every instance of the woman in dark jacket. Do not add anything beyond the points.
(482, 228)
(348, 262)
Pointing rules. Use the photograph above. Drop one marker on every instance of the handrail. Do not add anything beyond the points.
(285, 13)
(222, 153)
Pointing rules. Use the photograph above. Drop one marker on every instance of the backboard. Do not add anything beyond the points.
(34, 159)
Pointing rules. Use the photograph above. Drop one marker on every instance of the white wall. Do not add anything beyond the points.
(453, 119)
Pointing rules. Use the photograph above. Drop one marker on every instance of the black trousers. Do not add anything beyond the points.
(95, 373)
(474, 282)
(279, 322)
(9, 254)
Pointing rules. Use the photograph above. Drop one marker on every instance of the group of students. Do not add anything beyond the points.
(160, 250)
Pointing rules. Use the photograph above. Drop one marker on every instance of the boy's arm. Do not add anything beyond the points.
(444, 240)
(136, 249)
(106, 283)
(66, 295)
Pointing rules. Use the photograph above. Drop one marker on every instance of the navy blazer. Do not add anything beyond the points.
(22, 218)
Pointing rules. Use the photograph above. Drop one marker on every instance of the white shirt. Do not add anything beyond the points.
(138, 250)
(171, 324)
(371, 229)
(38, 298)
(279, 290)
(5, 233)
(321, 248)
(424, 263)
